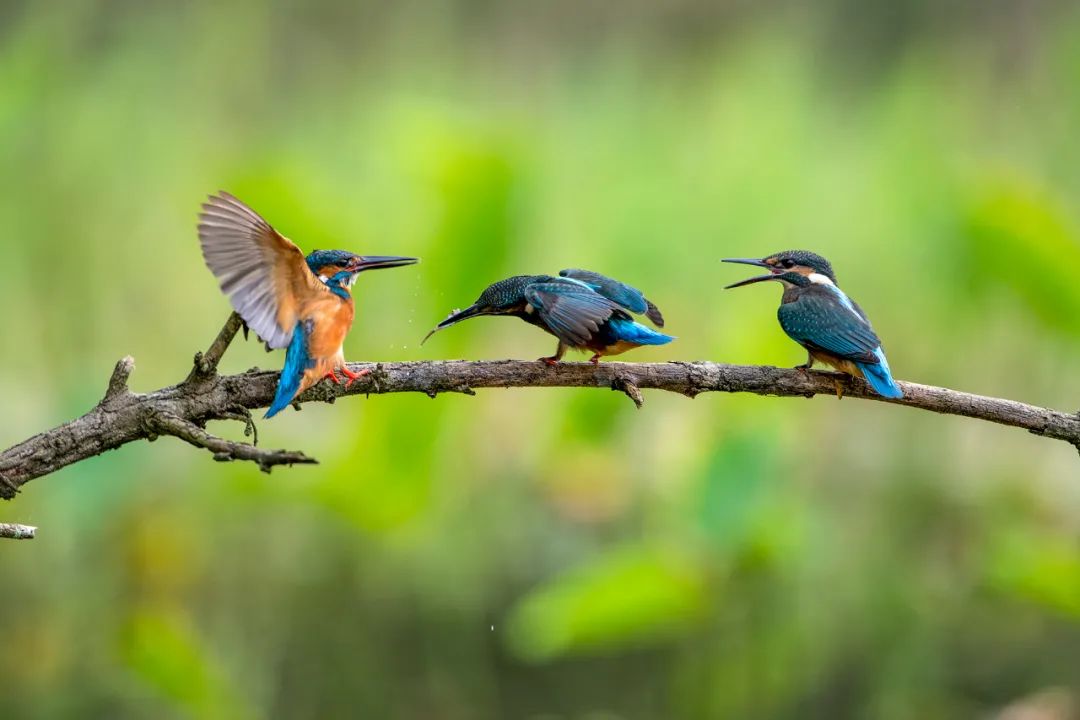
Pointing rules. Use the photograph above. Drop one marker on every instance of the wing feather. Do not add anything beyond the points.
(823, 321)
(262, 273)
(573, 311)
(628, 297)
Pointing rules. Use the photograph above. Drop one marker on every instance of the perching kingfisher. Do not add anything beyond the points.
(818, 315)
(583, 309)
(289, 301)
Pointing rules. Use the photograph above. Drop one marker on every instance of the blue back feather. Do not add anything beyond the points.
(297, 361)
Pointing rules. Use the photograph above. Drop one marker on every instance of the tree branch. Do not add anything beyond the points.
(17, 532)
(183, 410)
(166, 423)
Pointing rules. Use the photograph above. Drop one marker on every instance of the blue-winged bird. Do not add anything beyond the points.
(583, 309)
(290, 301)
(816, 313)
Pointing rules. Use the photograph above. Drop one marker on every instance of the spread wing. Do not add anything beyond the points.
(824, 320)
(262, 273)
(573, 311)
(629, 297)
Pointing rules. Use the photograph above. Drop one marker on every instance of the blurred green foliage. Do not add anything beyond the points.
(549, 553)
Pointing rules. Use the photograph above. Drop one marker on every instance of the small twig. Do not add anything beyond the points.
(206, 363)
(242, 414)
(118, 382)
(631, 390)
(14, 531)
(164, 423)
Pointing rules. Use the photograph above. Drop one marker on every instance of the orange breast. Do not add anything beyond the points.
(333, 318)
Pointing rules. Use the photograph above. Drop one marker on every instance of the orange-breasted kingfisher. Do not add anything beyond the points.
(818, 315)
(290, 301)
(582, 309)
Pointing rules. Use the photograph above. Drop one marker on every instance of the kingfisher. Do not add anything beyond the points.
(584, 310)
(290, 301)
(818, 315)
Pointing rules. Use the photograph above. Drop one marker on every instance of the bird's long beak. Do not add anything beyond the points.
(750, 281)
(747, 261)
(471, 311)
(377, 262)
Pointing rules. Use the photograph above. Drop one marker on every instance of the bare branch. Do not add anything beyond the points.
(206, 363)
(183, 410)
(13, 531)
(165, 423)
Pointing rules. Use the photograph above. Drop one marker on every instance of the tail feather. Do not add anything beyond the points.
(634, 332)
(296, 362)
(653, 313)
(879, 376)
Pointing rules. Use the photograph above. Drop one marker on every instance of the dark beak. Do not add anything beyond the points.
(377, 262)
(747, 261)
(471, 311)
(750, 281)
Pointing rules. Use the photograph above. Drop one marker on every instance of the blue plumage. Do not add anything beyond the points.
(635, 332)
(297, 361)
(583, 309)
(618, 292)
(880, 376)
(818, 315)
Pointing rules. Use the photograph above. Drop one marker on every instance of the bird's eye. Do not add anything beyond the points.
(787, 263)
(342, 263)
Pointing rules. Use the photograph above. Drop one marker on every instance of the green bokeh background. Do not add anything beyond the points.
(549, 553)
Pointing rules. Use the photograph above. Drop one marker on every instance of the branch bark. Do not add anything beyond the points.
(13, 531)
(183, 410)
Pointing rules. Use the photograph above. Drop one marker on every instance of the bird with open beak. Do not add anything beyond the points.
(818, 315)
(582, 309)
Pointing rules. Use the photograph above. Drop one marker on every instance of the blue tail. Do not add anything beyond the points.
(296, 362)
(880, 377)
(630, 331)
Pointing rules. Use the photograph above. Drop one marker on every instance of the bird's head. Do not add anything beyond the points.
(791, 267)
(501, 298)
(338, 269)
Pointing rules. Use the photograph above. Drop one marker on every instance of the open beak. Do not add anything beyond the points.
(377, 262)
(749, 281)
(471, 311)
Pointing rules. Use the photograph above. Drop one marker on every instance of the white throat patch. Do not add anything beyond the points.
(820, 279)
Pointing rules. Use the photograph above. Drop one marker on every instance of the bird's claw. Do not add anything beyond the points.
(595, 359)
(353, 377)
(549, 361)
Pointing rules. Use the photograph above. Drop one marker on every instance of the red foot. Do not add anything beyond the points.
(353, 376)
(595, 359)
(550, 361)
(332, 377)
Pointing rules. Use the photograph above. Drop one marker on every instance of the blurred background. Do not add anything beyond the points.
(549, 554)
